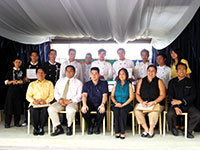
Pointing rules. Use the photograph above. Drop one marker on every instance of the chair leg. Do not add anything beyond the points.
(83, 125)
(53, 129)
(29, 123)
(139, 129)
(49, 125)
(104, 126)
(136, 123)
(0, 117)
(133, 124)
(108, 119)
(186, 124)
(80, 114)
(160, 124)
(74, 126)
(164, 121)
(112, 123)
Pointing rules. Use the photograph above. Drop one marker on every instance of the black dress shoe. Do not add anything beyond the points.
(57, 132)
(122, 137)
(90, 130)
(69, 131)
(41, 131)
(18, 125)
(150, 135)
(117, 135)
(7, 126)
(189, 135)
(35, 132)
(97, 130)
(174, 131)
(144, 134)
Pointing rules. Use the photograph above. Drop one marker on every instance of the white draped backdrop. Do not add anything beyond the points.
(38, 21)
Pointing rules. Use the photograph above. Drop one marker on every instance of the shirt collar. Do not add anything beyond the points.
(41, 81)
(101, 61)
(52, 63)
(16, 68)
(66, 78)
(33, 63)
(97, 82)
(122, 60)
(162, 66)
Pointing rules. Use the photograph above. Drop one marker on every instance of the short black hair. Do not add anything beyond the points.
(16, 58)
(152, 65)
(163, 55)
(126, 72)
(41, 69)
(70, 66)
(89, 54)
(95, 68)
(144, 50)
(34, 52)
(71, 49)
(52, 50)
(180, 63)
(121, 50)
(101, 50)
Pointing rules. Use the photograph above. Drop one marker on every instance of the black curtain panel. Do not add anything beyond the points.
(189, 43)
(9, 50)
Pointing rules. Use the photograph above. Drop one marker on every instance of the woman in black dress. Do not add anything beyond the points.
(14, 98)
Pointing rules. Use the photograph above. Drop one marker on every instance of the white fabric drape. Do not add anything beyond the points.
(38, 21)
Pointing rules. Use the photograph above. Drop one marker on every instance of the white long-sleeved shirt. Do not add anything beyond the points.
(164, 73)
(77, 65)
(86, 72)
(74, 89)
(105, 68)
(141, 70)
(122, 64)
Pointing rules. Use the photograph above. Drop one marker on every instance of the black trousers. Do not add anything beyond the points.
(193, 114)
(120, 118)
(8, 118)
(39, 117)
(88, 116)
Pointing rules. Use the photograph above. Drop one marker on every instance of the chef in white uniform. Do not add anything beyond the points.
(86, 67)
(123, 63)
(106, 70)
(141, 68)
(73, 62)
(163, 71)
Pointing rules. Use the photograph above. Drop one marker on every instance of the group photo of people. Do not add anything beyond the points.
(147, 89)
(100, 74)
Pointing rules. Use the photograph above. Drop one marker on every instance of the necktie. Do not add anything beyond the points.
(65, 90)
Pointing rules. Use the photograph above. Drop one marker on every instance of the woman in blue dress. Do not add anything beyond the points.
(122, 97)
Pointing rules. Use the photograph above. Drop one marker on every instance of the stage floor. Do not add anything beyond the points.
(17, 139)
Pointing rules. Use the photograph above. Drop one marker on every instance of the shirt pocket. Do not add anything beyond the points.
(187, 90)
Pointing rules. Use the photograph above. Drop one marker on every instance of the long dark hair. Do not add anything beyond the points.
(178, 52)
(126, 72)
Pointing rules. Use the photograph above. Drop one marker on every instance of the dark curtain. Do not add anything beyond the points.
(189, 43)
(9, 50)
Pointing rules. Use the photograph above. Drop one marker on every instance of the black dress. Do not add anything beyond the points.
(52, 72)
(14, 98)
